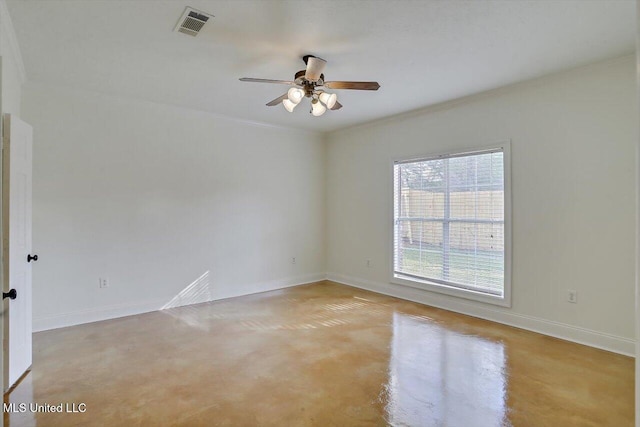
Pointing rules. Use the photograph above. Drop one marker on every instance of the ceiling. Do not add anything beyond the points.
(421, 52)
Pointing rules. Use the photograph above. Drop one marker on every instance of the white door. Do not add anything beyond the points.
(2, 313)
(16, 187)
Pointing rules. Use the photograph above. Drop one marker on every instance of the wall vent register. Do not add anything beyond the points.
(192, 21)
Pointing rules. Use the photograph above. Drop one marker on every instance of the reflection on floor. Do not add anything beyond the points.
(319, 355)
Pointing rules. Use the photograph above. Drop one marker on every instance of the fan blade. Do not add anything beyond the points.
(336, 106)
(353, 85)
(278, 100)
(315, 67)
(282, 82)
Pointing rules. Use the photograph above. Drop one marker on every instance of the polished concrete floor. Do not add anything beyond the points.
(319, 355)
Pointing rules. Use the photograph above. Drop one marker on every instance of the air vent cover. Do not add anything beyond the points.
(192, 21)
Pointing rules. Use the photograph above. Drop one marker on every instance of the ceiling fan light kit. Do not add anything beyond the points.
(317, 108)
(310, 83)
(329, 99)
(295, 95)
(289, 105)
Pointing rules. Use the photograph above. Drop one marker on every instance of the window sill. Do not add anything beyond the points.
(425, 285)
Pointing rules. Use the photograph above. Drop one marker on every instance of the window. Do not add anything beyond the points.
(450, 233)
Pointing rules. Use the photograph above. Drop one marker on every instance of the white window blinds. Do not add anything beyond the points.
(449, 221)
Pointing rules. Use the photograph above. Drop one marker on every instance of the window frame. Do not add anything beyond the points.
(431, 286)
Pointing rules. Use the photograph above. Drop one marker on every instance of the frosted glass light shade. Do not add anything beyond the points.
(289, 105)
(329, 99)
(317, 109)
(295, 95)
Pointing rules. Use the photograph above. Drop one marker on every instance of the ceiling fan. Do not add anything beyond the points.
(310, 83)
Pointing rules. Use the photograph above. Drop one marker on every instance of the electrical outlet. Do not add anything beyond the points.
(572, 296)
(293, 260)
(368, 263)
(103, 282)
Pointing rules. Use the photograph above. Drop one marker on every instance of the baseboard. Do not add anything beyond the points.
(121, 310)
(563, 331)
(576, 334)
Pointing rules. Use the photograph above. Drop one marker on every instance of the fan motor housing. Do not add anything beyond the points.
(308, 86)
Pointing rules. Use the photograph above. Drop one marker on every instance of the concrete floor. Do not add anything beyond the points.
(322, 355)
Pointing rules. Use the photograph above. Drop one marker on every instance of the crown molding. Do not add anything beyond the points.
(8, 31)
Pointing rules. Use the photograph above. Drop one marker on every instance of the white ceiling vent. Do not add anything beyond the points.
(192, 21)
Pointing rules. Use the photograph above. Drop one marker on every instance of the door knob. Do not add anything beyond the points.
(12, 294)
(30, 257)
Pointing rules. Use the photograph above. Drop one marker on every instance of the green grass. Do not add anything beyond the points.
(462, 269)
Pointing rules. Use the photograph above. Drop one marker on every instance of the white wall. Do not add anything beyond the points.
(11, 64)
(157, 198)
(573, 151)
